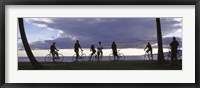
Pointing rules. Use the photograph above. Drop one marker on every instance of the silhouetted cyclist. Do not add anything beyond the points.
(76, 49)
(54, 51)
(149, 49)
(99, 50)
(174, 46)
(114, 49)
(92, 48)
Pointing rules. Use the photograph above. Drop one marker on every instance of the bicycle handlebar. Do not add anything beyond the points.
(117, 50)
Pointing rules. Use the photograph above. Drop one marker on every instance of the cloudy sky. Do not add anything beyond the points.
(126, 32)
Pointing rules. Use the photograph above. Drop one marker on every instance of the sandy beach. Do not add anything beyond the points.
(102, 65)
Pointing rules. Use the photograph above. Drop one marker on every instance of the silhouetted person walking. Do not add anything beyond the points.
(149, 49)
(99, 50)
(54, 51)
(76, 49)
(114, 49)
(92, 48)
(174, 46)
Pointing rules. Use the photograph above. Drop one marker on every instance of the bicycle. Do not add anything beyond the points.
(179, 57)
(148, 56)
(94, 57)
(81, 57)
(49, 57)
(100, 56)
(167, 61)
(120, 56)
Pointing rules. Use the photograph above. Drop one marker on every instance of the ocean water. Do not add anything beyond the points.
(69, 58)
(130, 54)
(105, 58)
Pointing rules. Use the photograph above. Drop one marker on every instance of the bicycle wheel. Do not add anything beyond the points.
(111, 57)
(83, 57)
(60, 59)
(92, 58)
(74, 58)
(96, 57)
(179, 60)
(48, 58)
(179, 55)
(149, 57)
(146, 56)
(121, 57)
(167, 60)
(100, 57)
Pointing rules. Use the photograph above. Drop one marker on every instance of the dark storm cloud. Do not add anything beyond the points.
(60, 43)
(90, 28)
(125, 44)
(169, 25)
(127, 32)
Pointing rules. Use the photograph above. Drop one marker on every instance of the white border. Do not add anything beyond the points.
(187, 75)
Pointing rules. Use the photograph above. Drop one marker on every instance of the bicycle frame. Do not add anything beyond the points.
(178, 52)
(120, 56)
(80, 57)
(169, 58)
(50, 56)
(148, 54)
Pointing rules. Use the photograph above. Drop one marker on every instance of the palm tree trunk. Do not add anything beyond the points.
(29, 53)
(159, 39)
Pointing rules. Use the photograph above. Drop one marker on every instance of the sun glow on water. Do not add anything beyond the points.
(106, 52)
